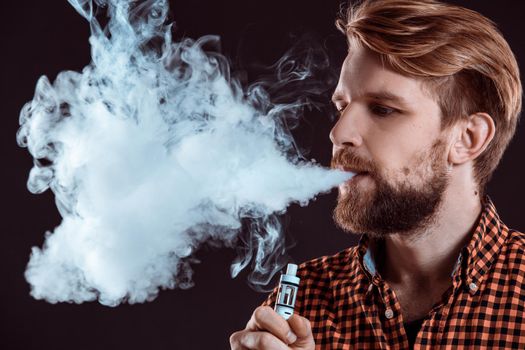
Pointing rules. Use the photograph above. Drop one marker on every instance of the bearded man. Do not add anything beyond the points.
(428, 99)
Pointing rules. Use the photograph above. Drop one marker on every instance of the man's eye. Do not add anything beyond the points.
(382, 111)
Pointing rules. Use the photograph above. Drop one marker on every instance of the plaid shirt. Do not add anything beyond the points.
(351, 307)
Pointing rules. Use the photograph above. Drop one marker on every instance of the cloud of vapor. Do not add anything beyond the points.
(152, 150)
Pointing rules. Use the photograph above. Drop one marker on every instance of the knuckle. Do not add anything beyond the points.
(266, 340)
(234, 338)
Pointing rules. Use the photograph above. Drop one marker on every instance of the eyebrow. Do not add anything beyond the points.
(381, 95)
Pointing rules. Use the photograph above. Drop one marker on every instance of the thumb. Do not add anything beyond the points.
(303, 330)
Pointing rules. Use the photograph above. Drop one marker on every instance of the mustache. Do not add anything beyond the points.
(348, 160)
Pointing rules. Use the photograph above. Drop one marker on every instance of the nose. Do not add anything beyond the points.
(345, 132)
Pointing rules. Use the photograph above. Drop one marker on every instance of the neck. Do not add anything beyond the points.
(427, 257)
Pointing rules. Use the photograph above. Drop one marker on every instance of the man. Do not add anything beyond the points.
(429, 97)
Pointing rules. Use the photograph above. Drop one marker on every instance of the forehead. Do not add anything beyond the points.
(363, 72)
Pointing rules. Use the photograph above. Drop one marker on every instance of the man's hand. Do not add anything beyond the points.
(267, 330)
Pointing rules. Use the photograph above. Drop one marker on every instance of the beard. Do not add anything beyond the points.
(401, 208)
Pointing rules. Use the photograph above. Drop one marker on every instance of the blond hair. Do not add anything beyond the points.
(460, 54)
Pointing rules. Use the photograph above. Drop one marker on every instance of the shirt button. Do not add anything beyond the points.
(473, 286)
(389, 313)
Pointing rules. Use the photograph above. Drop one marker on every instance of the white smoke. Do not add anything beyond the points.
(152, 150)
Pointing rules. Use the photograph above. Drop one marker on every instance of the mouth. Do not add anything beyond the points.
(356, 172)
(357, 177)
(359, 174)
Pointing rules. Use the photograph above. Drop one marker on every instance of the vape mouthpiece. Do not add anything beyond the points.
(288, 286)
(291, 270)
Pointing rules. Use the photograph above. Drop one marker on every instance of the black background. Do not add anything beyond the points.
(46, 37)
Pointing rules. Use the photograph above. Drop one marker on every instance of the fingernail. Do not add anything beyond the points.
(291, 337)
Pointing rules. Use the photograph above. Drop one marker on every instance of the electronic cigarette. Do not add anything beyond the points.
(288, 285)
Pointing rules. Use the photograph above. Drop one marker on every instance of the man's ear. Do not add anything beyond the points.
(472, 138)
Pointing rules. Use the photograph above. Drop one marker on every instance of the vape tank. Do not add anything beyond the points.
(288, 286)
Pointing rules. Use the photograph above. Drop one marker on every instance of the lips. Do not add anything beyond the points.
(355, 171)
(361, 174)
(358, 176)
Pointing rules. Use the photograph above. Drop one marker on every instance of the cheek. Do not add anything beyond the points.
(394, 146)
(426, 164)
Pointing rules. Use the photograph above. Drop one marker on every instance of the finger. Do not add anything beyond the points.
(235, 343)
(301, 327)
(256, 340)
(264, 318)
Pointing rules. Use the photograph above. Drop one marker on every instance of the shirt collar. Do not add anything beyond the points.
(485, 245)
(478, 255)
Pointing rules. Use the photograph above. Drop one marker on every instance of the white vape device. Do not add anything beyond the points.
(285, 302)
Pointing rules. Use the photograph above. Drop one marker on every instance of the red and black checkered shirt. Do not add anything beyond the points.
(351, 307)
